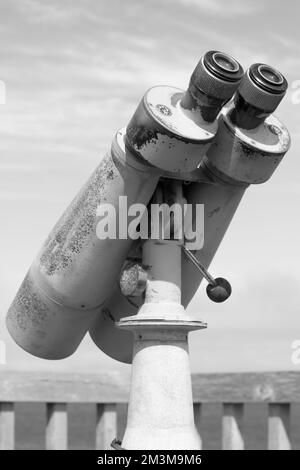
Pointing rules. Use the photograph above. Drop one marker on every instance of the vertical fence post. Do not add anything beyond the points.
(278, 427)
(232, 426)
(7, 426)
(106, 425)
(57, 427)
(198, 418)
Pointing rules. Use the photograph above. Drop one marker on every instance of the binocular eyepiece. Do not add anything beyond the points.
(172, 129)
(212, 84)
(259, 94)
(218, 77)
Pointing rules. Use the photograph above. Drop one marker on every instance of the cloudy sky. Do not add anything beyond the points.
(74, 73)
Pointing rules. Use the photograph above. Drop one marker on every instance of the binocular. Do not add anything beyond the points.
(212, 140)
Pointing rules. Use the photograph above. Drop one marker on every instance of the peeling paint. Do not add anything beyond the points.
(28, 308)
(166, 135)
(78, 222)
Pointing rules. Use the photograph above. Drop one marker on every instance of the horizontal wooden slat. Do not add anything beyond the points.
(280, 387)
(276, 387)
(64, 388)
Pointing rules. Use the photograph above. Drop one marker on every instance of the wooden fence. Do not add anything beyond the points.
(278, 389)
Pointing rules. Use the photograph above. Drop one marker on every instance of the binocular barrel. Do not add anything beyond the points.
(72, 285)
(75, 270)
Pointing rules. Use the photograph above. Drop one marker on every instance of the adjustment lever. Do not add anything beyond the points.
(218, 289)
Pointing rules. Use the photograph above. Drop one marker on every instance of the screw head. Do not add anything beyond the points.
(163, 109)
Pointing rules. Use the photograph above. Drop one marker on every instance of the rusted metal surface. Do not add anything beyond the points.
(44, 327)
(78, 223)
(133, 280)
(75, 271)
(165, 134)
(249, 156)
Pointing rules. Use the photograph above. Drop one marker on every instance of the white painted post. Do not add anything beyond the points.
(279, 427)
(57, 427)
(198, 419)
(232, 424)
(106, 426)
(7, 426)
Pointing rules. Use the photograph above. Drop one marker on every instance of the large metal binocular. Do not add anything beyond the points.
(217, 138)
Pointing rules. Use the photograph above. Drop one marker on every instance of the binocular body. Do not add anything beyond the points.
(218, 149)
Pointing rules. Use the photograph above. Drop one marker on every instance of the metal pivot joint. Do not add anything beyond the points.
(133, 280)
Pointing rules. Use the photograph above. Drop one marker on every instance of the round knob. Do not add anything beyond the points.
(219, 291)
(133, 280)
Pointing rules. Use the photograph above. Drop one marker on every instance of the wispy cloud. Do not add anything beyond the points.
(232, 8)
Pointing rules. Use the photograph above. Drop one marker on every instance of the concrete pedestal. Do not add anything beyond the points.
(160, 414)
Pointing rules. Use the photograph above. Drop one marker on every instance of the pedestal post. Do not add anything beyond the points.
(160, 414)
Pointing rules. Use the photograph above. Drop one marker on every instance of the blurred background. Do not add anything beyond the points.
(74, 73)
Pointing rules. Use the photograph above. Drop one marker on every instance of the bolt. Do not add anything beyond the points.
(164, 109)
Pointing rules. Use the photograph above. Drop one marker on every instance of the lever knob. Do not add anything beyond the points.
(219, 291)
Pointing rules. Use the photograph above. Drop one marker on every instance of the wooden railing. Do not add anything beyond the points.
(279, 390)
